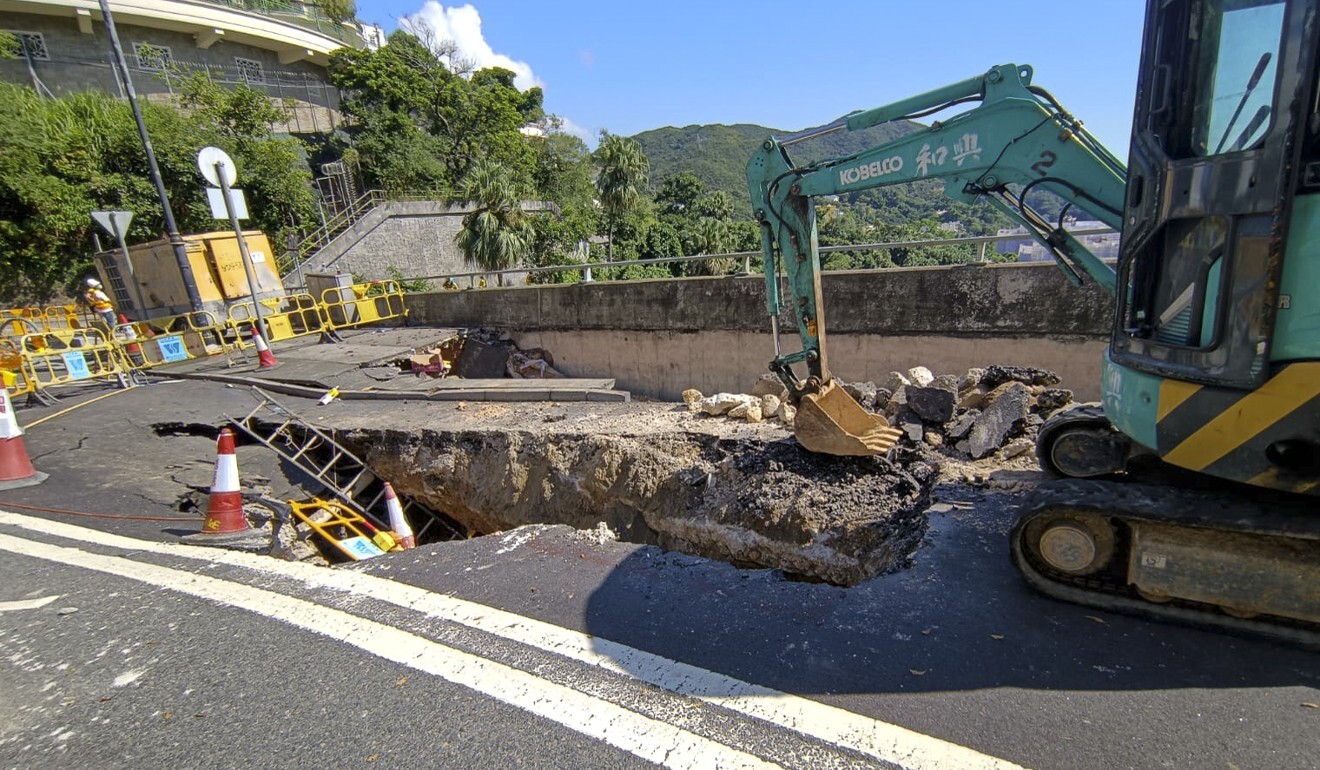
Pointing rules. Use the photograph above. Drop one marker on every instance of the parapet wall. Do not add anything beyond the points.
(657, 338)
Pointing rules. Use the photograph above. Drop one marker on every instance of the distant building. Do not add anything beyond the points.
(280, 46)
(1027, 249)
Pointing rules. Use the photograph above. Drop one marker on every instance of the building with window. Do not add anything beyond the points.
(280, 46)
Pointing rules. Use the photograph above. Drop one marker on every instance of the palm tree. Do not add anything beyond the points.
(496, 235)
(711, 237)
(623, 170)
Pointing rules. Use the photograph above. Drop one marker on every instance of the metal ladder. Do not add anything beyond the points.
(344, 474)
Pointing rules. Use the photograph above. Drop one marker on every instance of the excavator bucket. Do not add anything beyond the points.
(831, 422)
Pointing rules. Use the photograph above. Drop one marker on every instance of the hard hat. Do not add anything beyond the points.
(92, 282)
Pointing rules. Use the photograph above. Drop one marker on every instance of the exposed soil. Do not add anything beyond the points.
(746, 494)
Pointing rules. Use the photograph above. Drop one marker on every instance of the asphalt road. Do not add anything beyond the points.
(544, 647)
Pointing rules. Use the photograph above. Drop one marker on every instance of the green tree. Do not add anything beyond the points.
(496, 235)
(338, 10)
(715, 205)
(712, 237)
(620, 181)
(563, 176)
(678, 194)
(272, 170)
(419, 127)
(61, 159)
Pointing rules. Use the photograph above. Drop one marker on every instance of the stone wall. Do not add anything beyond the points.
(80, 62)
(414, 237)
(657, 338)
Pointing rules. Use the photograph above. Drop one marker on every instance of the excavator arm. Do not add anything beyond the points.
(1017, 139)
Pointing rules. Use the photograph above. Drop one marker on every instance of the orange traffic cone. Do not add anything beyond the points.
(398, 524)
(265, 358)
(224, 511)
(15, 467)
(134, 349)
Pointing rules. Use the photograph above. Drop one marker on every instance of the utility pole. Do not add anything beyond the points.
(176, 240)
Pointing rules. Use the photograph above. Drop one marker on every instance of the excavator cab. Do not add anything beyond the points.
(1212, 361)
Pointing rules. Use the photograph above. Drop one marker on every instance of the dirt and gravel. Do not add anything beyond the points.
(736, 489)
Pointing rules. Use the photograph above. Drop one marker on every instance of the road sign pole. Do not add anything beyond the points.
(242, 248)
(176, 239)
(116, 223)
(132, 276)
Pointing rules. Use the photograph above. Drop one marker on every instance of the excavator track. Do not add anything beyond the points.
(1110, 544)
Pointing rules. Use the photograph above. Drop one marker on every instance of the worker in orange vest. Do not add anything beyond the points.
(99, 302)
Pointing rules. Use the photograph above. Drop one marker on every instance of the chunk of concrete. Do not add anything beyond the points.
(920, 376)
(769, 385)
(934, 406)
(1053, 399)
(993, 427)
(962, 424)
(893, 381)
(862, 392)
(723, 403)
(996, 375)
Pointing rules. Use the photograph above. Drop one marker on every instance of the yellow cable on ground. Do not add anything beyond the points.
(35, 423)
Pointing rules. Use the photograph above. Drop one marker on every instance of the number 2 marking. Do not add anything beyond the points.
(1047, 159)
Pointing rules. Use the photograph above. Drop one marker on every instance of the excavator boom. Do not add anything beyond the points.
(1015, 139)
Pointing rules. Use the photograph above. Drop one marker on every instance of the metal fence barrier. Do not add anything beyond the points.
(46, 348)
(363, 303)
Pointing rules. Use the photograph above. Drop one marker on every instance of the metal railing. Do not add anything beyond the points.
(301, 14)
(980, 242)
(330, 229)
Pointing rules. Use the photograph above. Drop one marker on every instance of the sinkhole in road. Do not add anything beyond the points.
(751, 503)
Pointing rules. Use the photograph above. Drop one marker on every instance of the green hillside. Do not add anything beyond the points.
(718, 154)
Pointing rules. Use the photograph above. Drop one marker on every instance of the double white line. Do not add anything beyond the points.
(650, 739)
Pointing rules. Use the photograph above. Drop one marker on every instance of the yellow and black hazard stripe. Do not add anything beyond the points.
(1225, 433)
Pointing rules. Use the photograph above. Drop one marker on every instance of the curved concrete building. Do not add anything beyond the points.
(281, 46)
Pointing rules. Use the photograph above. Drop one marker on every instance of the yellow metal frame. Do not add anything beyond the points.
(345, 529)
(372, 302)
(33, 360)
(294, 315)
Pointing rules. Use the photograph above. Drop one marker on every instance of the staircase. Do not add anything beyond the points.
(333, 227)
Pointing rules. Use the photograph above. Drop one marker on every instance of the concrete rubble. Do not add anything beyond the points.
(995, 411)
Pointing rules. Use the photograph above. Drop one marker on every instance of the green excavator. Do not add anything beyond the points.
(1212, 374)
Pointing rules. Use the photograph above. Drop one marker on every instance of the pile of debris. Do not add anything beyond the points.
(488, 354)
(995, 411)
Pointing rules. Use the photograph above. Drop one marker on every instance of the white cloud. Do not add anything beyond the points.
(462, 25)
(581, 132)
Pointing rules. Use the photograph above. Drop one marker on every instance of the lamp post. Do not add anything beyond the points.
(176, 240)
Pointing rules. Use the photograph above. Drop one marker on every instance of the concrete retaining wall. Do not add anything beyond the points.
(414, 237)
(657, 338)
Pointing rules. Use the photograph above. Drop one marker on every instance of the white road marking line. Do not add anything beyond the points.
(649, 739)
(887, 742)
(27, 604)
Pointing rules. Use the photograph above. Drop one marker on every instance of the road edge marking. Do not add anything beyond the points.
(887, 742)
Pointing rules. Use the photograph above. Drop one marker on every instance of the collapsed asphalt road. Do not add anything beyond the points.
(955, 647)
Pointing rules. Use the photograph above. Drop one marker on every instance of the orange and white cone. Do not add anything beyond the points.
(130, 333)
(224, 511)
(265, 358)
(403, 533)
(15, 466)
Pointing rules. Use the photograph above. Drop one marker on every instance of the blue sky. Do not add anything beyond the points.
(629, 65)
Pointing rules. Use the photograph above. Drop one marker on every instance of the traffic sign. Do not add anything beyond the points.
(208, 157)
(114, 222)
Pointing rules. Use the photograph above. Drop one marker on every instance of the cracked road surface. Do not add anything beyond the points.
(548, 647)
(66, 667)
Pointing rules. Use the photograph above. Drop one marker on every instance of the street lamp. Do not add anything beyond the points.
(176, 240)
